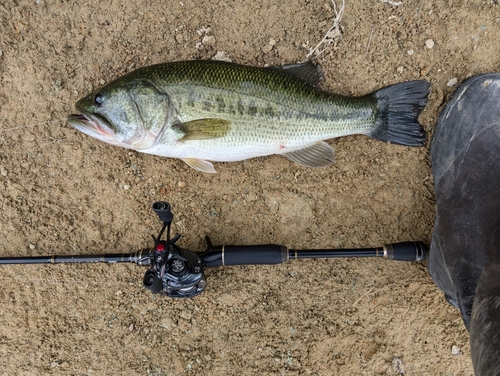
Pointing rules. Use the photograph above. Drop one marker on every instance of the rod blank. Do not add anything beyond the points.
(406, 251)
(136, 258)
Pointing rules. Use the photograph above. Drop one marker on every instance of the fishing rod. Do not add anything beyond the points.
(179, 273)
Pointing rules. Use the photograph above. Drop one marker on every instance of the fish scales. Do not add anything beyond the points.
(260, 118)
(265, 107)
(203, 111)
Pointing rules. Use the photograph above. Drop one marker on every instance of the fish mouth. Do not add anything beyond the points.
(92, 125)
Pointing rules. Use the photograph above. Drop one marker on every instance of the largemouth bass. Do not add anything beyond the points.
(203, 111)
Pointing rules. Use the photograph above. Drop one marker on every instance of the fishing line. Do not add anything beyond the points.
(62, 120)
(64, 281)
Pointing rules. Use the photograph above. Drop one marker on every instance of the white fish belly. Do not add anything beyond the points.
(250, 139)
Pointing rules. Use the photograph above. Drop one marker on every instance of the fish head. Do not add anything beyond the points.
(126, 113)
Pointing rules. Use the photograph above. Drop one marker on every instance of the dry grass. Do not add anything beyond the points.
(332, 35)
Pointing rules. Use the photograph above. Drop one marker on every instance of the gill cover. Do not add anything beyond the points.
(130, 113)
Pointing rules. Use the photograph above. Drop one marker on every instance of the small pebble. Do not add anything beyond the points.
(32, 246)
(455, 350)
(221, 56)
(179, 38)
(410, 52)
(429, 43)
(3, 171)
(126, 187)
(398, 365)
(269, 47)
(203, 31)
(452, 82)
(400, 69)
(208, 40)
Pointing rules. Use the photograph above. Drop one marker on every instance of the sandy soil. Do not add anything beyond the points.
(62, 192)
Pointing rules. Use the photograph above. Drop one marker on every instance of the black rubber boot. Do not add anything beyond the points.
(464, 258)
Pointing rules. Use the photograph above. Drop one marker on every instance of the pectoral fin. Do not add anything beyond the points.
(200, 165)
(203, 129)
(318, 155)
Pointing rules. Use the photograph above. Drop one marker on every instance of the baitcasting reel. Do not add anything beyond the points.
(174, 272)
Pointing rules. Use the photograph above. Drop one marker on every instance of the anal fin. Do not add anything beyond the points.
(200, 165)
(318, 155)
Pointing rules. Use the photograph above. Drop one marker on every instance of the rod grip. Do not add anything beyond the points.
(406, 251)
(254, 254)
(245, 255)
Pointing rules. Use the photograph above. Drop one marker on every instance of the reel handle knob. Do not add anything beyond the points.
(152, 282)
(162, 209)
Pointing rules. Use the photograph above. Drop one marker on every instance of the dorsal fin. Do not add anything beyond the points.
(306, 71)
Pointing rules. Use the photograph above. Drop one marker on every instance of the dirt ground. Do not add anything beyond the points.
(62, 192)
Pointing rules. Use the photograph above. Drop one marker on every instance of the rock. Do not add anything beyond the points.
(455, 350)
(269, 46)
(398, 365)
(208, 40)
(222, 56)
(452, 82)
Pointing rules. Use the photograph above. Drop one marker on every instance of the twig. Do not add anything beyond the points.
(383, 288)
(331, 35)
(54, 140)
(397, 4)
(369, 41)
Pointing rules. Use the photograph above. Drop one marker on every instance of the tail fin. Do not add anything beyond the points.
(398, 107)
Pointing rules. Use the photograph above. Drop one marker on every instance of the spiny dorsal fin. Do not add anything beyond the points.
(318, 155)
(306, 71)
(203, 129)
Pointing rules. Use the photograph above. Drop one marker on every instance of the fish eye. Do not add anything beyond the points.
(98, 99)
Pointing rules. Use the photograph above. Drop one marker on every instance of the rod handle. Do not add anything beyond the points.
(406, 251)
(245, 255)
